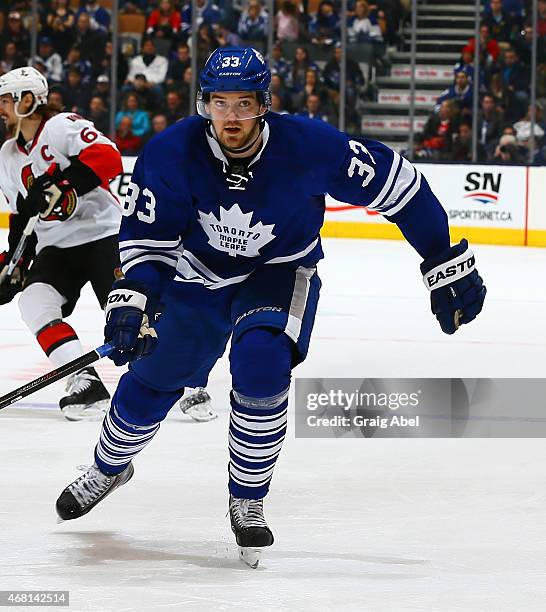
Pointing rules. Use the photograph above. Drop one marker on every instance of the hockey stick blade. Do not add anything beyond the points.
(55, 375)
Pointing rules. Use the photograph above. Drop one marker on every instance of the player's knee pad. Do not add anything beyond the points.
(260, 363)
(39, 304)
(138, 404)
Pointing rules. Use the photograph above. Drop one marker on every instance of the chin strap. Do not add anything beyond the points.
(21, 116)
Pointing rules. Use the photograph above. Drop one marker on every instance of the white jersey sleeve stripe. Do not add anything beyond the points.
(169, 244)
(144, 258)
(413, 189)
(387, 187)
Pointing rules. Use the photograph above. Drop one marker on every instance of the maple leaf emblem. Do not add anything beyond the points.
(233, 233)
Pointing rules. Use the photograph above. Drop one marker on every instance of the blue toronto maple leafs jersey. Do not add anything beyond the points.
(189, 213)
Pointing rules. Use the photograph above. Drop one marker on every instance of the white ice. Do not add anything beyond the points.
(360, 524)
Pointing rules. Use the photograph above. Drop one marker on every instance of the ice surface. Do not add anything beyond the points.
(360, 524)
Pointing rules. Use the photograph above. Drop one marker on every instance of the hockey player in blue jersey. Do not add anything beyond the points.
(221, 235)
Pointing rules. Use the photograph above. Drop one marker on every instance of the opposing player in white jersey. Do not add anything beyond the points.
(58, 166)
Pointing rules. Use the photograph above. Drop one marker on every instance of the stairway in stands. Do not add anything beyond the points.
(443, 28)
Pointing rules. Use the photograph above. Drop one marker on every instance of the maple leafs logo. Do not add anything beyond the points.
(233, 234)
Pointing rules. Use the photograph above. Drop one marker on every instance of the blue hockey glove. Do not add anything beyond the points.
(130, 313)
(456, 290)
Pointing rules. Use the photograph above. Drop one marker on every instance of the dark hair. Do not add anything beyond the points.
(46, 111)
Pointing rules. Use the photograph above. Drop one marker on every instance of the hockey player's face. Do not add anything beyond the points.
(7, 111)
(234, 116)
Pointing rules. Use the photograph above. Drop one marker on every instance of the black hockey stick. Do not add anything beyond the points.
(29, 228)
(55, 375)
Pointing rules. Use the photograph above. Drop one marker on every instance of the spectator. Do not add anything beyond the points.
(462, 144)
(253, 23)
(278, 64)
(513, 8)
(206, 43)
(277, 105)
(106, 63)
(76, 94)
(74, 60)
(508, 152)
(55, 100)
(489, 125)
(102, 89)
(227, 38)
(11, 58)
(363, 26)
(174, 108)
(184, 88)
(99, 114)
(52, 61)
(523, 128)
(278, 88)
(159, 123)
(439, 129)
(313, 110)
(140, 122)
(461, 92)
(287, 27)
(420, 151)
(126, 140)
(175, 73)
(515, 81)
(91, 42)
(465, 64)
(500, 24)
(38, 63)
(59, 26)
(497, 92)
(165, 21)
(154, 67)
(300, 65)
(146, 97)
(332, 79)
(389, 15)
(207, 12)
(312, 87)
(16, 33)
(489, 48)
(324, 26)
(99, 17)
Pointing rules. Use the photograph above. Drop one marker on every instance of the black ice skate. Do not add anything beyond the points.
(250, 529)
(198, 406)
(87, 398)
(88, 490)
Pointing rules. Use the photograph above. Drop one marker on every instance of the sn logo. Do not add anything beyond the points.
(476, 181)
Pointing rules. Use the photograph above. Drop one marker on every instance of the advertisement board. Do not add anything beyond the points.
(487, 204)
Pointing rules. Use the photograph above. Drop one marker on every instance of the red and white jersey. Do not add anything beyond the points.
(97, 213)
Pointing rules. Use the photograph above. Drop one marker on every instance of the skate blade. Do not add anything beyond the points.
(250, 556)
(200, 412)
(83, 412)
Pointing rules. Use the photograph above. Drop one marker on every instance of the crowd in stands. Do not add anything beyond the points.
(154, 74)
(154, 65)
(504, 81)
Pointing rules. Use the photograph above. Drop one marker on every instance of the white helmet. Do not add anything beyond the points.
(20, 80)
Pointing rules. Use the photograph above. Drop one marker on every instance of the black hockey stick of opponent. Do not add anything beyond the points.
(55, 375)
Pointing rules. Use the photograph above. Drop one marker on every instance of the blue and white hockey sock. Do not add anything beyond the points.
(120, 441)
(256, 432)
